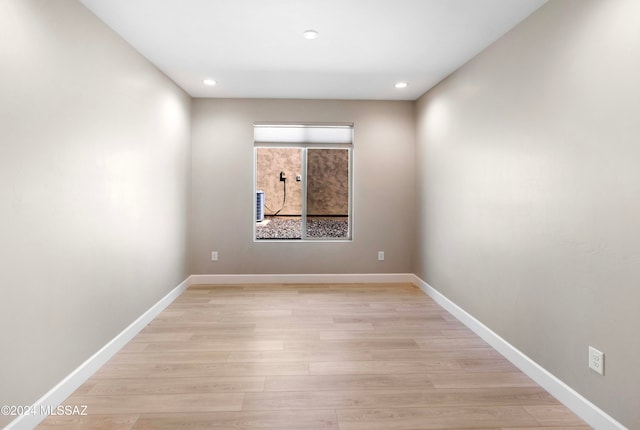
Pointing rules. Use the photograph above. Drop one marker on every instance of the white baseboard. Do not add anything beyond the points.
(582, 407)
(340, 278)
(68, 385)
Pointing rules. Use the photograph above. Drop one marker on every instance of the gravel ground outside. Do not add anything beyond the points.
(290, 228)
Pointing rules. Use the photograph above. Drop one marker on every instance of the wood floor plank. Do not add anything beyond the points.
(457, 332)
(433, 418)
(414, 324)
(389, 321)
(218, 345)
(382, 333)
(243, 314)
(554, 415)
(251, 420)
(132, 347)
(439, 343)
(396, 398)
(84, 388)
(350, 345)
(471, 380)
(143, 386)
(434, 354)
(194, 370)
(395, 367)
(179, 326)
(310, 357)
(220, 317)
(161, 403)
(89, 422)
(162, 337)
(347, 382)
(171, 357)
(205, 333)
(549, 428)
(293, 356)
(306, 326)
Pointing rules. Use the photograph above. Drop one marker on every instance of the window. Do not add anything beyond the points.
(303, 182)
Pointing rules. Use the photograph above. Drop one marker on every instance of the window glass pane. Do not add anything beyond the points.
(327, 194)
(277, 170)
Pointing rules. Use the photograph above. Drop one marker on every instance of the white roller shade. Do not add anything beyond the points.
(321, 134)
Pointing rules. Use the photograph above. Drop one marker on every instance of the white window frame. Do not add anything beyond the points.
(304, 137)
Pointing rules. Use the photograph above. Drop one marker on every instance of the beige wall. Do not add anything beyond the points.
(94, 158)
(529, 193)
(223, 215)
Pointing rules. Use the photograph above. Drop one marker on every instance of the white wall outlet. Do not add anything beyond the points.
(380, 255)
(596, 360)
(214, 255)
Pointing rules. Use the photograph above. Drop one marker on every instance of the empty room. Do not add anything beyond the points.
(319, 215)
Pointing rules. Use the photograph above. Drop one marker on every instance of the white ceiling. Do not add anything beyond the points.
(255, 48)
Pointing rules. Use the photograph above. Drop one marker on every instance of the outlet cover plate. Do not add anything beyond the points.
(596, 360)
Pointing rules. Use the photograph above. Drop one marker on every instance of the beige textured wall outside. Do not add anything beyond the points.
(223, 216)
(327, 180)
(529, 193)
(269, 163)
(94, 160)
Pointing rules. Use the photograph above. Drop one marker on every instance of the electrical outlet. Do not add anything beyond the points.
(380, 255)
(214, 255)
(596, 360)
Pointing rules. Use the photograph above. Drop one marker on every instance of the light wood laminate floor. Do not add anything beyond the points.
(303, 357)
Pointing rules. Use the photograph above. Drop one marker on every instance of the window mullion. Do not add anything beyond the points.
(304, 194)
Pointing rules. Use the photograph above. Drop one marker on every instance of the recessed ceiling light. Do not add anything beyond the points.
(209, 82)
(401, 85)
(310, 34)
